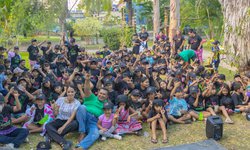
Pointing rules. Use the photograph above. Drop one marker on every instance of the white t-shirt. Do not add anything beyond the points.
(66, 109)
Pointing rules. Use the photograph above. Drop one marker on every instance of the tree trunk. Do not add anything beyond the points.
(237, 32)
(64, 14)
(174, 18)
(156, 17)
(130, 13)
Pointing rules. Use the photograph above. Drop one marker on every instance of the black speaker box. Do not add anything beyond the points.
(214, 127)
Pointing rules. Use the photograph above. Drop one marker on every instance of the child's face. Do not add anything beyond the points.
(224, 91)
(213, 91)
(58, 89)
(145, 83)
(107, 111)
(151, 96)
(122, 104)
(109, 87)
(40, 103)
(163, 85)
(178, 95)
(162, 71)
(134, 98)
(35, 73)
(158, 108)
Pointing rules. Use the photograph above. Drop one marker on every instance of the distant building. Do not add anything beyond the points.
(75, 13)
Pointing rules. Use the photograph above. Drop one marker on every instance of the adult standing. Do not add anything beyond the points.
(143, 37)
(33, 52)
(65, 111)
(178, 41)
(87, 114)
(195, 43)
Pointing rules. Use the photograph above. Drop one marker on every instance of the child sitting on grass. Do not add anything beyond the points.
(158, 119)
(107, 123)
(40, 113)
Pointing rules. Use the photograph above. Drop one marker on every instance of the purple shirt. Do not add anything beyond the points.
(106, 122)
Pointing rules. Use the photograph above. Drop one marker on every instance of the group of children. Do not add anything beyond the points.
(156, 86)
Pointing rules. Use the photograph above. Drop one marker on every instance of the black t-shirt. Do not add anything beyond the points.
(52, 56)
(136, 48)
(178, 41)
(45, 49)
(135, 105)
(212, 100)
(73, 51)
(5, 118)
(15, 61)
(227, 101)
(33, 52)
(144, 36)
(238, 99)
(195, 42)
(200, 106)
(37, 84)
(24, 100)
(39, 114)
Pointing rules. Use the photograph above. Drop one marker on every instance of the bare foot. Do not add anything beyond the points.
(81, 137)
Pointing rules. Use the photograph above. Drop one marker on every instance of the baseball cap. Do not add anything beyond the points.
(222, 77)
(158, 102)
(33, 40)
(40, 97)
(136, 92)
(150, 89)
(107, 105)
(122, 98)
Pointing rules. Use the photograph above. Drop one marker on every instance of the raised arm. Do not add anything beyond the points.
(87, 89)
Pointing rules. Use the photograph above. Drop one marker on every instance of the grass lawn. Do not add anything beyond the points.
(235, 137)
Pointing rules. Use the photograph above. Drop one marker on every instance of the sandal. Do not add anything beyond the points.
(229, 121)
(154, 141)
(164, 141)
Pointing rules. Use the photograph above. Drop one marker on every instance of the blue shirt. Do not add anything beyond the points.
(176, 105)
(2, 78)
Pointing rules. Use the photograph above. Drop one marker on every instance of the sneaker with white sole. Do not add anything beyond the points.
(118, 137)
(9, 146)
(103, 138)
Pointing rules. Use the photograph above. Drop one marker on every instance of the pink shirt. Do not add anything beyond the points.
(106, 122)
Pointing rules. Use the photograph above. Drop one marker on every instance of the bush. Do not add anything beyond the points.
(126, 36)
(111, 37)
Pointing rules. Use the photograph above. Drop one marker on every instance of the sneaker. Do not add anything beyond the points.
(103, 138)
(118, 137)
(26, 140)
(9, 146)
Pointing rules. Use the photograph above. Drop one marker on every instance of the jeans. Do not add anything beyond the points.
(52, 127)
(16, 137)
(87, 125)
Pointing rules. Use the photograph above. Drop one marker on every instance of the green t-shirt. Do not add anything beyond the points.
(186, 55)
(93, 105)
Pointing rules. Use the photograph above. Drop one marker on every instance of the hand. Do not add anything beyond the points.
(104, 129)
(177, 84)
(116, 115)
(11, 90)
(163, 111)
(159, 95)
(128, 119)
(158, 116)
(60, 130)
(22, 88)
(79, 86)
(16, 94)
(76, 70)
